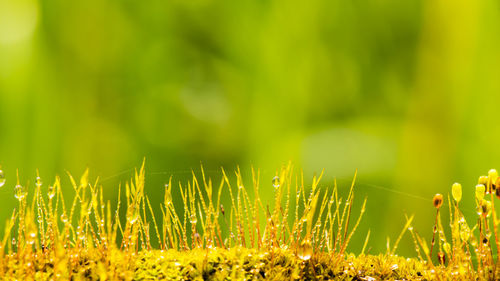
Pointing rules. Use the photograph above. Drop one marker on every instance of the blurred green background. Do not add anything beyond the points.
(407, 92)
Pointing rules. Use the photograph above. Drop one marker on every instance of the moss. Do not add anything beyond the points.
(217, 264)
(304, 235)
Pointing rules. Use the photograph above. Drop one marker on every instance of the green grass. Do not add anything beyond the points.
(302, 233)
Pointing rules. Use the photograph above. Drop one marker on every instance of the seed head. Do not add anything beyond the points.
(437, 201)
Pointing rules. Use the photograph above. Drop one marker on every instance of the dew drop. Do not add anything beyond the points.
(19, 192)
(305, 250)
(479, 211)
(31, 238)
(2, 178)
(132, 213)
(473, 242)
(64, 218)
(38, 182)
(276, 182)
(132, 217)
(51, 192)
(193, 219)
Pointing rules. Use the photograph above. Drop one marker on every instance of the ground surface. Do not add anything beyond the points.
(234, 264)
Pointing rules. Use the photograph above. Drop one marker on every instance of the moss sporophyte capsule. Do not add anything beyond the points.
(456, 192)
(441, 258)
(480, 191)
(482, 180)
(437, 201)
(497, 188)
(485, 207)
(492, 175)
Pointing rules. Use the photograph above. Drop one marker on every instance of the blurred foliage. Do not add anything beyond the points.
(404, 91)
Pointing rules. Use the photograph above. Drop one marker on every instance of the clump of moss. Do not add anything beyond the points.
(472, 252)
(303, 234)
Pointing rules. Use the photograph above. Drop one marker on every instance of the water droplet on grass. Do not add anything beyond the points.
(132, 217)
(31, 238)
(64, 218)
(276, 182)
(193, 219)
(19, 192)
(305, 250)
(2, 178)
(38, 182)
(51, 192)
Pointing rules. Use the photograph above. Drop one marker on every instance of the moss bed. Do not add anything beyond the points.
(219, 264)
(302, 234)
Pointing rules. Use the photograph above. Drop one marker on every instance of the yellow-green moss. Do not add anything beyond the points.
(303, 234)
(216, 264)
